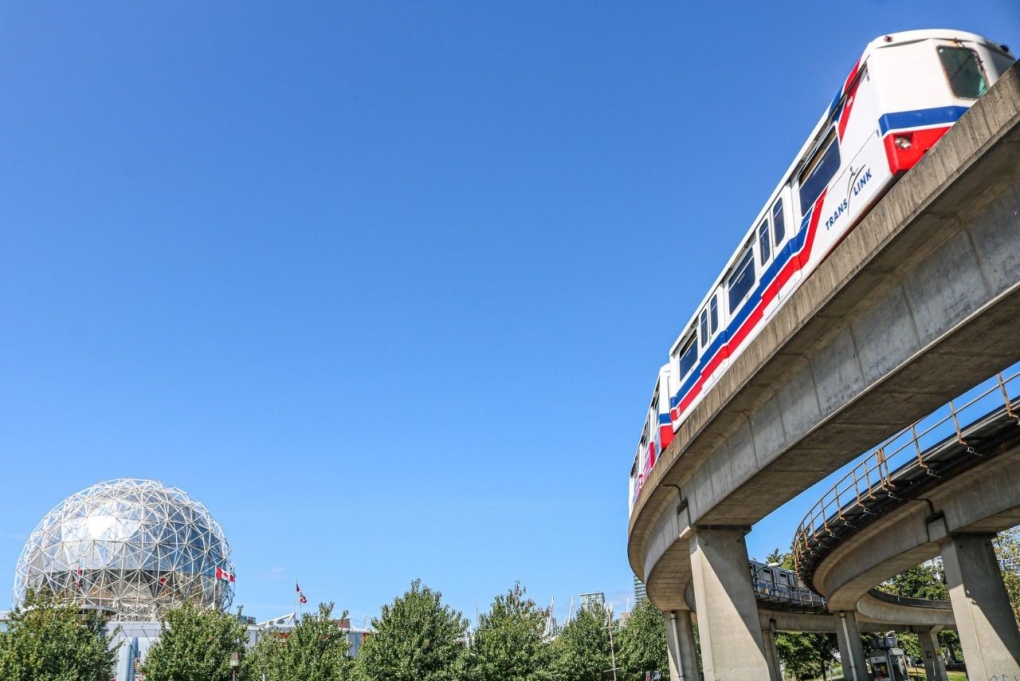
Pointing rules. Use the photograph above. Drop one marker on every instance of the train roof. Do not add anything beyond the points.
(881, 42)
(903, 37)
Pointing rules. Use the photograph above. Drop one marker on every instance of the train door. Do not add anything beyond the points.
(712, 345)
(767, 581)
(774, 253)
(811, 187)
(646, 446)
(634, 487)
(660, 410)
(785, 585)
(683, 364)
(652, 430)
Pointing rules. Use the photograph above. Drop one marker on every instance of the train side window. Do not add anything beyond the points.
(688, 357)
(819, 171)
(778, 225)
(963, 69)
(704, 328)
(713, 314)
(742, 278)
(763, 241)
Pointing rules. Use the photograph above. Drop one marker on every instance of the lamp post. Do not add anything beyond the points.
(612, 649)
(757, 571)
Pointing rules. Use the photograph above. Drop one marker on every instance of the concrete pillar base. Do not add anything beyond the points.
(988, 630)
(934, 668)
(851, 650)
(772, 655)
(731, 642)
(681, 647)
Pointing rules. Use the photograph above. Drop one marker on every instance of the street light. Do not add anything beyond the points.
(757, 571)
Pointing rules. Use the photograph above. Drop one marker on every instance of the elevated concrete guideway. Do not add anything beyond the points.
(956, 519)
(918, 303)
(983, 500)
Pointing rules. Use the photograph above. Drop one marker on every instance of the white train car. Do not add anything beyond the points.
(901, 96)
(656, 434)
(778, 585)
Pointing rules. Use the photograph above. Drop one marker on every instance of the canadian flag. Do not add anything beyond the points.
(300, 596)
(224, 575)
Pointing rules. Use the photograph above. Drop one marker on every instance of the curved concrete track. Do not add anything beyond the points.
(982, 500)
(916, 305)
(878, 612)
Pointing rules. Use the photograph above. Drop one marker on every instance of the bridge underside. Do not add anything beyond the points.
(919, 303)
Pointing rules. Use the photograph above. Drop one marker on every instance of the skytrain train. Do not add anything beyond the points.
(779, 585)
(906, 90)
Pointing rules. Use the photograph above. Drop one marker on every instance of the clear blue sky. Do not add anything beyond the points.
(385, 285)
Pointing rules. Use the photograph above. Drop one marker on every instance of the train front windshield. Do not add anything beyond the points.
(967, 78)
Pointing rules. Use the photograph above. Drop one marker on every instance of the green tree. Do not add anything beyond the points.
(195, 644)
(1007, 548)
(921, 581)
(928, 581)
(642, 644)
(47, 640)
(785, 560)
(925, 581)
(508, 643)
(797, 654)
(582, 651)
(804, 656)
(417, 638)
(317, 649)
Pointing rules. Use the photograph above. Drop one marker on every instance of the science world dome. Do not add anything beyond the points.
(135, 547)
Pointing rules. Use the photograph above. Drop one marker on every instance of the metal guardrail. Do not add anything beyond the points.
(786, 597)
(907, 601)
(923, 449)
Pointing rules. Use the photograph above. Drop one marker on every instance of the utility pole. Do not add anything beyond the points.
(612, 649)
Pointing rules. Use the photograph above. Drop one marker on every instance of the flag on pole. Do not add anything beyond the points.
(300, 596)
(224, 575)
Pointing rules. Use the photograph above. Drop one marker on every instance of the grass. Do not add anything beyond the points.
(916, 674)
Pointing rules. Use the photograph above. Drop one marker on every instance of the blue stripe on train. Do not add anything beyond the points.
(945, 115)
(792, 247)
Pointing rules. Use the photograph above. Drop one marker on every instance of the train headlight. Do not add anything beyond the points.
(902, 141)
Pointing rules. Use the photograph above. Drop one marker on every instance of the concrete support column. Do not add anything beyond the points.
(680, 646)
(934, 668)
(851, 650)
(772, 655)
(988, 630)
(730, 631)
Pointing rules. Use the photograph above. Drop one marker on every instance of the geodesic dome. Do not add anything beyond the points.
(136, 546)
